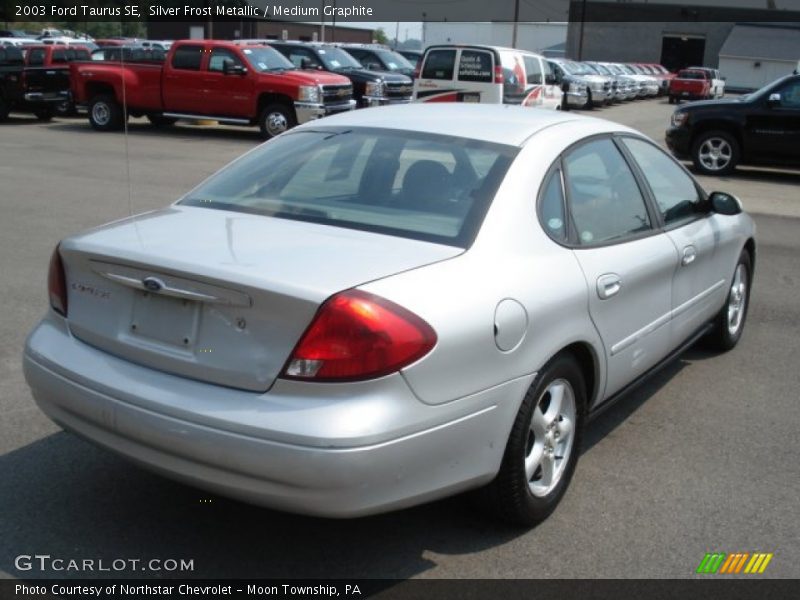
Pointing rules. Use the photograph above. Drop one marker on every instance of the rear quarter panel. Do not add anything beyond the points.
(138, 84)
(512, 258)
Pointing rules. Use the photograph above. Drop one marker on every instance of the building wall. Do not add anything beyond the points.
(743, 74)
(641, 42)
(530, 36)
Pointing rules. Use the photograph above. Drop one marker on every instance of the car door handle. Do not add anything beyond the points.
(608, 285)
(689, 254)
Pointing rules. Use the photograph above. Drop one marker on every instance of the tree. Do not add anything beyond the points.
(379, 35)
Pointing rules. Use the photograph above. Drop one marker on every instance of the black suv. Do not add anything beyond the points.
(759, 128)
(377, 58)
(370, 88)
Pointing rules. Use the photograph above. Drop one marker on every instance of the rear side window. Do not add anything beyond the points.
(420, 186)
(605, 202)
(551, 207)
(533, 70)
(36, 57)
(218, 58)
(676, 196)
(188, 57)
(439, 64)
(475, 65)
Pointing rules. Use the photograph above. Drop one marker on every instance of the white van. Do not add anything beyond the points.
(488, 74)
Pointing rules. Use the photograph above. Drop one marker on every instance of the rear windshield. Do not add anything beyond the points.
(691, 75)
(415, 185)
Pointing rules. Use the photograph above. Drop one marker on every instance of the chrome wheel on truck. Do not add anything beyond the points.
(105, 114)
(275, 119)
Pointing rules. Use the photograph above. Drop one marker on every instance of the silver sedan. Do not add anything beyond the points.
(390, 306)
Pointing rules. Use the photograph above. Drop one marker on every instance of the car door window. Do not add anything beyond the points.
(605, 202)
(475, 65)
(439, 64)
(790, 95)
(218, 58)
(533, 70)
(188, 58)
(675, 193)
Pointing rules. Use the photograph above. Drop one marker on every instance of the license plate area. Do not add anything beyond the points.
(163, 319)
(472, 98)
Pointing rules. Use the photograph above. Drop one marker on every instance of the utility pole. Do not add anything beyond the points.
(516, 21)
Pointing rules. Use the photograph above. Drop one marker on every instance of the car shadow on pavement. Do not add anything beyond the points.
(66, 498)
(142, 128)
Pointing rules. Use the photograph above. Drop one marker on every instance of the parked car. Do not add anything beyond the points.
(633, 87)
(17, 41)
(29, 89)
(648, 85)
(582, 88)
(486, 74)
(759, 128)
(717, 81)
(370, 87)
(379, 58)
(55, 59)
(390, 306)
(690, 84)
(624, 87)
(213, 79)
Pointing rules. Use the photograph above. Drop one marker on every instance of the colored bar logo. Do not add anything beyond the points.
(720, 563)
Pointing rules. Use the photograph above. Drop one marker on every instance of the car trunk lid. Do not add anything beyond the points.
(219, 296)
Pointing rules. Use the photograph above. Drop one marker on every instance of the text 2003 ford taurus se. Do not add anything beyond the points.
(391, 306)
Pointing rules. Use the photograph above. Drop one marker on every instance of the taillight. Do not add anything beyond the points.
(498, 74)
(56, 284)
(356, 336)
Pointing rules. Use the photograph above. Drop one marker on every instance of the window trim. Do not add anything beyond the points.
(572, 242)
(651, 197)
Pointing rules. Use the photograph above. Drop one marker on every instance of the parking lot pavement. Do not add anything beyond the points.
(702, 458)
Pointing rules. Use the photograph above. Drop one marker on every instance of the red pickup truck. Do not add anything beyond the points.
(232, 83)
(690, 84)
(55, 59)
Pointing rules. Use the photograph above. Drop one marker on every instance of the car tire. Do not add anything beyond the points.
(715, 153)
(522, 493)
(43, 114)
(64, 109)
(729, 322)
(589, 102)
(672, 99)
(5, 109)
(105, 113)
(275, 119)
(161, 120)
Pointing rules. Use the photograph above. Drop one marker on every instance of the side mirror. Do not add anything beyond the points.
(229, 68)
(305, 63)
(774, 99)
(725, 204)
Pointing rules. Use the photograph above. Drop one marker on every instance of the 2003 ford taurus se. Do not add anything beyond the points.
(390, 306)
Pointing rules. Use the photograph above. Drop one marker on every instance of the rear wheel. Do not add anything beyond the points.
(715, 153)
(105, 113)
(672, 99)
(275, 119)
(729, 323)
(589, 102)
(64, 109)
(543, 446)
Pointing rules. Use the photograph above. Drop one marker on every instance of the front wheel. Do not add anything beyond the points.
(715, 153)
(543, 446)
(275, 119)
(105, 113)
(729, 322)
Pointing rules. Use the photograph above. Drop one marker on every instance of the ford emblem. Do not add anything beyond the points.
(153, 284)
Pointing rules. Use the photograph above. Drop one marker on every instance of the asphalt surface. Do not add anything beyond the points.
(702, 458)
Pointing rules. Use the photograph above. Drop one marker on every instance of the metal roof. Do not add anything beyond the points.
(762, 42)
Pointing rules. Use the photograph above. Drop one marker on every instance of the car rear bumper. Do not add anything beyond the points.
(335, 450)
(46, 97)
